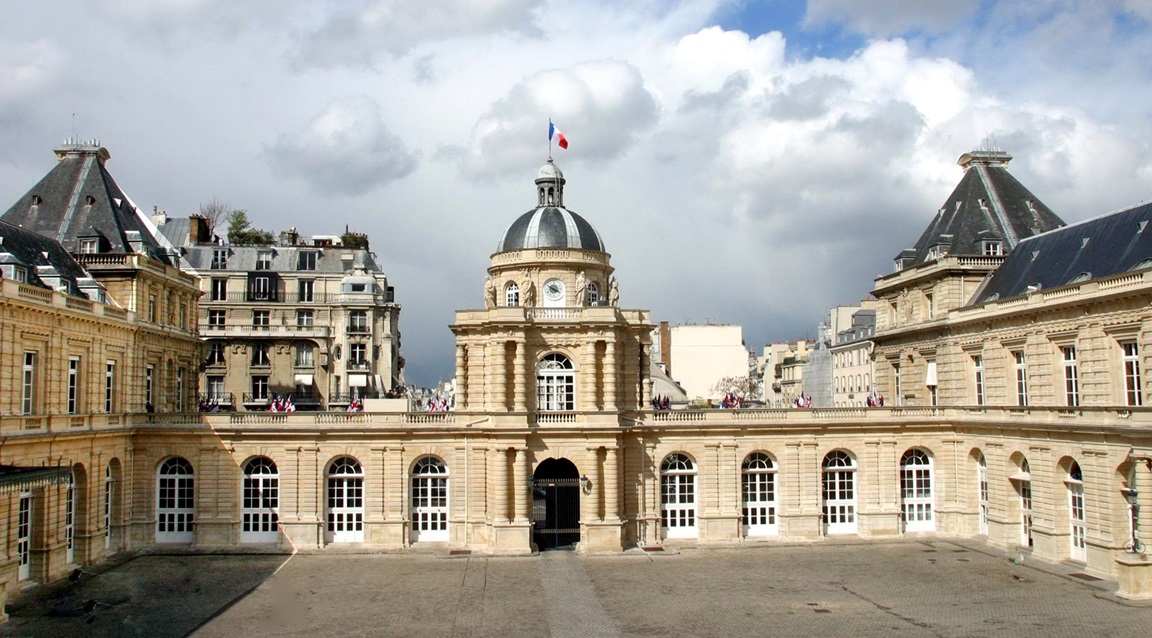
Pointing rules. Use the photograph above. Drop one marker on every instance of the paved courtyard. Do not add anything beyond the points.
(904, 588)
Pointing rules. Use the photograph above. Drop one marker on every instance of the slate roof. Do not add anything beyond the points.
(78, 196)
(35, 252)
(988, 204)
(550, 224)
(1107, 245)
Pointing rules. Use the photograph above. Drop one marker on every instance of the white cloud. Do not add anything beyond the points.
(345, 150)
(883, 18)
(28, 69)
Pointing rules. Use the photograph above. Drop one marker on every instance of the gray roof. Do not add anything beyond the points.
(987, 204)
(550, 224)
(1101, 247)
(284, 258)
(36, 252)
(79, 196)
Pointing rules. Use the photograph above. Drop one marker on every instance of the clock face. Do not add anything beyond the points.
(554, 290)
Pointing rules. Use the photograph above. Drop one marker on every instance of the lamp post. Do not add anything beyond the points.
(1134, 546)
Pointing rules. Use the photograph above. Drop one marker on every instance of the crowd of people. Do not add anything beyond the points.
(282, 404)
(875, 400)
(731, 401)
(436, 405)
(803, 401)
(209, 406)
(661, 403)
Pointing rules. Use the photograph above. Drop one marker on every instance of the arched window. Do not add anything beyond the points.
(982, 491)
(555, 384)
(70, 520)
(24, 537)
(593, 294)
(839, 491)
(175, 501)
(261, 500)
(429, 500)
(1023, 483)
(758, 483)
(1075, 481)
(916, 491)
(345, 501)
(512, 295)
(678, 496)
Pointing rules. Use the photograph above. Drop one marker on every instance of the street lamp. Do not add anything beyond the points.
(1134, 546)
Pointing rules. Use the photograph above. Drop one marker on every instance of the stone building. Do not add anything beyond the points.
(306, 318)
(852, 365)
(553, 442)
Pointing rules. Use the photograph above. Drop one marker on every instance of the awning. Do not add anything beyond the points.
(357, 381)
(930, 379)
(303, 379)
(15, 479)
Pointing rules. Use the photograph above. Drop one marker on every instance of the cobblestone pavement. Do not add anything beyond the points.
(891, 588)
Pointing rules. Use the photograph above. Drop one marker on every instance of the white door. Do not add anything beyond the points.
(345, 502)
(261, 500)
(429, 501)
(1079, 549)
(759, 495)
(678, 497)
(175, 502)
(70, 521)
(982, 486)
(839, 491)
(916, 491)
(24, 537)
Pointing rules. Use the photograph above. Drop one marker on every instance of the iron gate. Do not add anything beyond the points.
(555, 512)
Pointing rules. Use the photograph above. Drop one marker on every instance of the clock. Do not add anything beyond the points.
(554, 292)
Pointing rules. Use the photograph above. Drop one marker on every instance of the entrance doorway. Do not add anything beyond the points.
(556, 505)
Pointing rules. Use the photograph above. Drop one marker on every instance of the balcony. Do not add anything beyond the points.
(357, 365)
(269, 332)
(222, 399)
(359, 330)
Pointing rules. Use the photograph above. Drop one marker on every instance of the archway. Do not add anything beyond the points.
(555, 504)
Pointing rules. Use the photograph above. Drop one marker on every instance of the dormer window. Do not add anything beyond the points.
(264, 260)
(89, 246)
(20, 274)
(306, 260)
(993, 248)
(219, 258)
(933, 253)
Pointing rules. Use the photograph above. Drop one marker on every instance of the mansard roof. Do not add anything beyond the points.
(988, 204)
(79, 196)
(1107, 245)
(40, 255)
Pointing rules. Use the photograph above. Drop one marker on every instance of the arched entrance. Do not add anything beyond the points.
(555, 504)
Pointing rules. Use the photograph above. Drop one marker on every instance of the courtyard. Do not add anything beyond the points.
(931, 587)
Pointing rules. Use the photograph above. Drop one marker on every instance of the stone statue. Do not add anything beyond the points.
(613, 293)
(489, 292)
(581, 289)
(527, 293)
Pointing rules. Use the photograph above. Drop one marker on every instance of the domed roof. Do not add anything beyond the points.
(551, 227)
(550, 224)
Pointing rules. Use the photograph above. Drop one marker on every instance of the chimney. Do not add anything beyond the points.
(666, 347)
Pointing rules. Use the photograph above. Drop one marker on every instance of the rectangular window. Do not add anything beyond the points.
(993, 249)
(219, 290)
(931, 300)
(216, 317)
(28, 392)
(89, 246)
(307, 261)
(179, 389)
(260, 355)
(1133, 391)
(215, 389)
(109, 386)
(183, 316)
(306, 288)
(219, 258)
(1021, 378)
(304, 319)
(73, 385)
(216, 354)
(149, 378)
(264, 260)
(152, 308)
(978, 371)
(261, 289)
(261, 319)
(1071, 377)
(20, 274)
(358, 353)
(260, 387)
(896, 384)
(304, 358)
(358, 321)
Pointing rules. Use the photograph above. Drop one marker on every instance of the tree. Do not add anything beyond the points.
(240, 232)
(214, 212)
(354, 240)
(747, 387)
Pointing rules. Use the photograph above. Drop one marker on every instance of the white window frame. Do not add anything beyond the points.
(429, 502)
(149, 385)
(758, 492)
(264, 260)
(344, 494)
(838, 493)
(73, 395)
(978, 374)
(1024, 493)
(512, 295)
(678, 517)
(29, 397)
(916, 491)
(24, 536)
(555, 384)
(305, 319)
(175, 501)
(108, 494)
(1077, 521)
(219, 259)
(260, 502)
(219, 290)
(1021, 368)
(1071, 376)
(306, 290)
(70, 520)
(217, 317)
(1133, 378)
(982, 494)
(110, 386)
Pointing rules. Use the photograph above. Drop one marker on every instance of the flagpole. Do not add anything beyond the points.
(549, 139)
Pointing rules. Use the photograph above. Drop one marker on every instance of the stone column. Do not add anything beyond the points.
(461, 377)
(522, 503)
(1143, 485)
(1134, 569)
(645, 378)
(520, 368)
(498, 495)
(500, 380)
(588, 398)
(592, 499)
(610, 367)
(611, 484)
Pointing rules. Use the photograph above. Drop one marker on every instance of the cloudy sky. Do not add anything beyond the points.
(747, 162)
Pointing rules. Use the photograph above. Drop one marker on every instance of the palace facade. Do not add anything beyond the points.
(553, 441)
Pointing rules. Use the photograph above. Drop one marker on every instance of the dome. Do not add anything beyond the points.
(551, 227)
(550, 224)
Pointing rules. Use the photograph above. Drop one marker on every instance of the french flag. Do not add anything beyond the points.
(555, 134)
